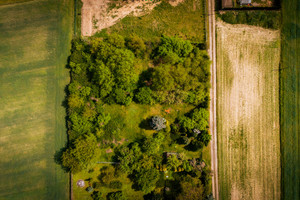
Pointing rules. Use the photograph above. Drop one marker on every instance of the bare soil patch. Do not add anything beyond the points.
(96, 15)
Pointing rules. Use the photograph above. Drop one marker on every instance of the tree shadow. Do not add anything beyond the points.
(145, 77)
(58, 158)
(145, 124)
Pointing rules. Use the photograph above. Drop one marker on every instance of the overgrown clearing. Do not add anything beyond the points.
(248, 112)
(34, 45)
(290, 95)
(186, 20)
(134, 119)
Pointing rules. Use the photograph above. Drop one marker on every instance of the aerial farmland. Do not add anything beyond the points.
(149, 99)
(34, 45)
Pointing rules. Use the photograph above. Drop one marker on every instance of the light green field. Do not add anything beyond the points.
(290, 99)
(248, 112)
(34, 45)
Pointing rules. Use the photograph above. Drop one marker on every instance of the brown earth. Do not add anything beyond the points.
(95, 14)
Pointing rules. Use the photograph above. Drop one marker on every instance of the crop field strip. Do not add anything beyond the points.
(290, 99)
(248, 112)
(34, 42)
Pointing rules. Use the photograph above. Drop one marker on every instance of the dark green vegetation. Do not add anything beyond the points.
(187, 20)
(289, 102)
(34, 45)
(262, 18)
(77, 17)
(117, 86)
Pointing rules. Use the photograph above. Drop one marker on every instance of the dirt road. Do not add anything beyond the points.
(212, 118)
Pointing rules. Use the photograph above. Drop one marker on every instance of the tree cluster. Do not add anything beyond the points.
(139, 159)
(104, 71)
(104, 68)
(192, 129)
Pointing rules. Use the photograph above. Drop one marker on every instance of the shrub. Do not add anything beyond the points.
(122, 97)
(97, 185)
(97, 195)
(136, 45)
(115, 184)
(116, 196)
(116, 40)
(144, 96)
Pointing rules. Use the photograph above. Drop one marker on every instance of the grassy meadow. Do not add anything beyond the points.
(34, 46)
(289, 102)
(187, 20)
(248, 112)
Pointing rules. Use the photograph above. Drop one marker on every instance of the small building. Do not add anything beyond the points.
(245, 2)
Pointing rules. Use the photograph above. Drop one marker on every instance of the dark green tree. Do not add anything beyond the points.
(144, 96)
(116, 196)
(147, 179)
(81, 154)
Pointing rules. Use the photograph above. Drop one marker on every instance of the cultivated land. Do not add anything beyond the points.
(34, 45)
(290, 99)
(248, 112)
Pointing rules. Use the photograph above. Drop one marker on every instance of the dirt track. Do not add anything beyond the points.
(212, 118)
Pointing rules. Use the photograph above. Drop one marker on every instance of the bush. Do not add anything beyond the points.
(195, 145)
(116, 40)
(144, 96)
(122, 97)
(97, 185)
(136, 45)
(172, 50)
(115, 185)
(116, 196)
(97, 195)
(263, 18)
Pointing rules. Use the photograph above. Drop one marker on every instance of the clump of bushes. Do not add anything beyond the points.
(262, 18)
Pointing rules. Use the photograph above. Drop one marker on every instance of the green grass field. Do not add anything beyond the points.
(187, 20)
(34, 45)
(290, 99)
(248, 112)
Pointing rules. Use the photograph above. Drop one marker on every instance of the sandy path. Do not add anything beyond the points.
(212, 118)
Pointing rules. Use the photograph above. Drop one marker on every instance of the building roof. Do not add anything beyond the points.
(242, 2)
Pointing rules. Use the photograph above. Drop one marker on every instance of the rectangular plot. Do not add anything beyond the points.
(248, 112)
(34, 44)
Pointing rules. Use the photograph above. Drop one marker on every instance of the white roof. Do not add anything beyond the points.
(245, 1)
